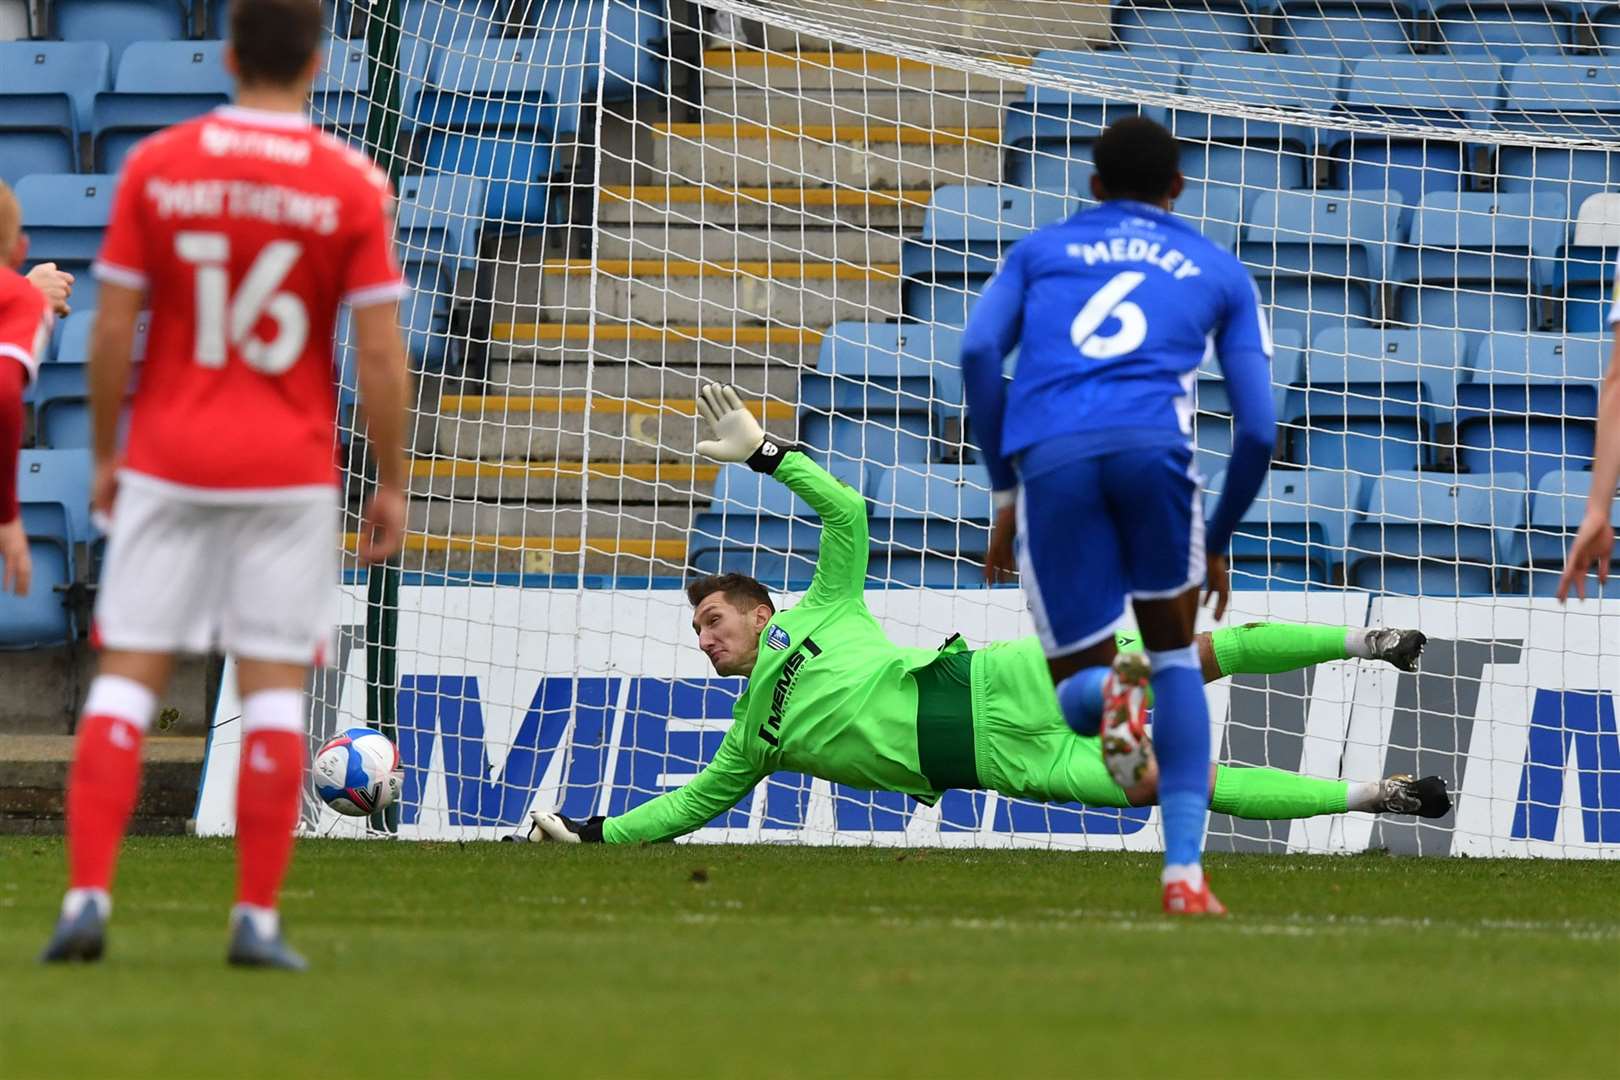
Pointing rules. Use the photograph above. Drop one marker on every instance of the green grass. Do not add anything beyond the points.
(495, 960)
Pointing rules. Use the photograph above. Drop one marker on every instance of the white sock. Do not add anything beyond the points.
(1358, 643)
(1366, 797)
(1191, 873)
(266, 920)
(74, 902)
(126, 699)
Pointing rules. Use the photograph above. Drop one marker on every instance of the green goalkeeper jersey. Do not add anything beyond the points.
(830, 694)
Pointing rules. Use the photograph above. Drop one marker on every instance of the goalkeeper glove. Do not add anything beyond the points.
(734, 434)
(549, 826)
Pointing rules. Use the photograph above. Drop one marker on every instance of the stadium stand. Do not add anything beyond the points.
(1347, 28)
(65, 216)
(120, 23)
(1436, 536)
(158, 83)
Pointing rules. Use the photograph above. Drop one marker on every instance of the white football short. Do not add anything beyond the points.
(240, 573)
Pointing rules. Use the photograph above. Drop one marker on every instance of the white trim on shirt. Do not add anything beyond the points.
(118, 275)
(297, 493)
(367, 295)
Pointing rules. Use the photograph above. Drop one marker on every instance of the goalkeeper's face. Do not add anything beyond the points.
(729, 635)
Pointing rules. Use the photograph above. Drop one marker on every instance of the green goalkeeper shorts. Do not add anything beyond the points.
(1022, 747)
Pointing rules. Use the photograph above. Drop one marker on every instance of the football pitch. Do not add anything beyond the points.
(443, 960)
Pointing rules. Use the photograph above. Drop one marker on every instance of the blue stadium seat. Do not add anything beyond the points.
(1437, 535)
(1438, 91)
(1436, 359)
(79, 69)
(964, 233)
(434, 216)
(930, 525)
(57, 482)
(41, 618)
(1504, 29)
(1049, 133)
(1572, 97)
(119, 23)
(1319, 257)
(1583, 273)
(1186, 26)
(631, 60)
(1604, 19)
(340, 100)
(1212, 416)
(338, 14)
(1258, 154)
(1477, 261)
(1557, 507)
(755, 525)
(492, 115)
(1531, 404)
(1293, 534)
(65, 216)
(1348, 28)
(158, 83)
(37, 135)
(1215, 209)
(877, 390)
(424, 312)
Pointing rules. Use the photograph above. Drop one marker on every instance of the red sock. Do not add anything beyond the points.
(102, 786)
(269, 787)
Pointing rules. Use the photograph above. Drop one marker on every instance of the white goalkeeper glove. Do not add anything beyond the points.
(548, 826)
(734, 434)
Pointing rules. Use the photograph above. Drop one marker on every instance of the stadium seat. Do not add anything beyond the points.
(1531, 404)
(47, 91)
(755, 525)
(1583, 273)
(1212, 416)
(120, 23)
(159, 83)
(340, 99)
(965, 230)
(1293, 534)
(79, 69)
(53, 493)
(1347, 28)
(14, 23)
(434, 215)
(930, 526)
(58, 482)
(1436, 536)
(1435, 359)
(1478, 261)
(41, 618)
(1258, 154)
(1216, 209)
(65, 216)
(338, 15)
(1559, 97)
(877, 389)
(1320, 257)
(490, 115)
(631, 59)
(1557, 507)
(1049, 133)
(1187, 26)
(1504, 29)
(1438, 91)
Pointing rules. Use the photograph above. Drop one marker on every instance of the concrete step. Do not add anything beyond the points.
(640, 380)
(34, 771)
(598, 428)
(563, 481)
(791, 292)
(724, 350)
(975, 27)
(867, 155)
(657, 240)
(818, 70)
(495, 520)
(662, 556)
(43, 690)
(735, 104)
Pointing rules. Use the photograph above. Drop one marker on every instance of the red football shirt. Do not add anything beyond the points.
(247, 230)
(25, 322)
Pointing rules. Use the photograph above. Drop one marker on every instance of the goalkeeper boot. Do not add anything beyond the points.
(1398, 648)
(77, 937)
(1403, 795)
(251, 947)
(1125, 747)
(1180, 898)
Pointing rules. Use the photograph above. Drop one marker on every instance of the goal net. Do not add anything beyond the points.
(603, 202)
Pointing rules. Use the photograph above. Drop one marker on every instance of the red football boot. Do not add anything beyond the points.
(1181, 898)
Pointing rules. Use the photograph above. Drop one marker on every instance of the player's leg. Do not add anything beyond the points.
(277, 623)
(1268, 648)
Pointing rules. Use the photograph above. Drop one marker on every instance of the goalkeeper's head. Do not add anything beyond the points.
(729, 612)
(1137, 159)
(275, 45)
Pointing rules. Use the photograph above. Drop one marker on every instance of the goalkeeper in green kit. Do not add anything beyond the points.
(830, 695)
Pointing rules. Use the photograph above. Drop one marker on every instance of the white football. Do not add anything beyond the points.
(358, 773)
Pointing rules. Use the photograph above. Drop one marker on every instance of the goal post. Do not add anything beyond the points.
(596, 216)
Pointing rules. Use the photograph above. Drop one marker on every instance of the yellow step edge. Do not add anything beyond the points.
(668, 550)
(871, 62)
(873, 132)
(759, 268)
(480, 404)
(581, 331)
(775, 196)
(648, 471)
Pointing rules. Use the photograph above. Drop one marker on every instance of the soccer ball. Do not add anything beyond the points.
(358, 772)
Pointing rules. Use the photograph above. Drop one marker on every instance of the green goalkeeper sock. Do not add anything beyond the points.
(1270, 648)
(1273, 795)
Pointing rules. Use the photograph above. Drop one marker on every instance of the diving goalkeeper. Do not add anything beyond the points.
(828, 694)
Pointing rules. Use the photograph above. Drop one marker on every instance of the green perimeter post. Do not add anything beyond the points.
(382, 584)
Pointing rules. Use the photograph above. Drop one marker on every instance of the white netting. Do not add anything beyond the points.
(603, 201)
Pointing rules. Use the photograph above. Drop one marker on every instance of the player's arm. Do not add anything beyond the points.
(1593, 545)
(737, 437)
(112, 357)
(1243, 349)
(717, 788)
(993, 330)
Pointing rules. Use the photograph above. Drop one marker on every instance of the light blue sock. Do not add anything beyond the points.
(1080, 696)
(1181, 740)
